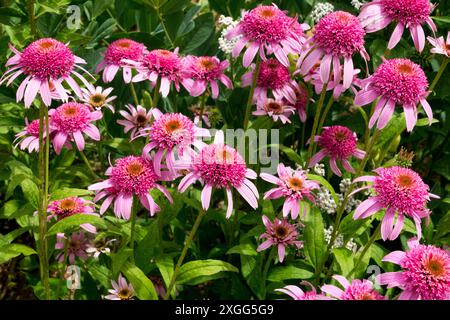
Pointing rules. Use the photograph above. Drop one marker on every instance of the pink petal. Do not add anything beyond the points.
(396, 36)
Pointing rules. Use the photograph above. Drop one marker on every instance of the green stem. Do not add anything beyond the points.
(156, 94)
(187, 244)
(439, 74)
(252, 91)
(133, 93)
(161, 19)
(32, 16)
(269, 260)
(316, 121)
(86, 161)
(323, 118)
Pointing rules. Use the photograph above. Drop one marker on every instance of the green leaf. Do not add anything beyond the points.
(199, 271)
(166, 267)
(142, 285)
(291, 154)
(9, 251)
(344, 259)
(62, 193)
(30, 191)
(205, 24)
(119, 258)
(73, 223)
(442, 19)
(245, 249)
(324, 183)
(8, 238)
(279, 274)
(315, 245)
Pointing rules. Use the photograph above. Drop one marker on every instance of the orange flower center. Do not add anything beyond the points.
(267, 13)
(404, 181)
(46, 45)
(295, 183)
(67, 205)
(97, 100)
(405, 69)
(135, 169)
(340, 136)
(124, 294)
(124, 44)
(207, 64)
(436, 268)
(70, 111)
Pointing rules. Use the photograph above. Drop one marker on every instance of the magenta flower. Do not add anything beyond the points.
(137, 119)
(98, 98)
(293, 185)
(338, 35)
(78, 242)
(298, 294)
(199, 72)
(425, 273)
(301, 102)
(401, 192)
(29, 137)
(356, 290)
(130, 176)
(69, 121)
(46, 63)
(440, 46)
(277, 110)
(159, 64)
(274, 76)
(339, 144)
(121, 290)
(268, 30)
(218, 166)
(411, 14)
(281, 234)
(396, 81)
(114, 55)
(170, 132)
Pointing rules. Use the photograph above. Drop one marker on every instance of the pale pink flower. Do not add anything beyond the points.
(301, 102)
(29, 137)
(298, 294)
(412, 14)
(280, 234)
(401, 192)
(338, 35)
(96, 248)
(46, 63)
(68, 123)
(339, 144)
(114, 55)
(356, 290)
(137, 119)
(221, 167)
(293, 185)
(396, 81)
(98, 98)
(121, 290)
(425, 273)
(440, 46)
(199, 72)
(77, 244)
(268, 30)
(277, 110)
(130, 176)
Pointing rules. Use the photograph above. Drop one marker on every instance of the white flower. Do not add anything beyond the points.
(325, 201)
(320, 10)
(97, 98)
(357, 4)
(339, 241)
(224, 44)
(319, 169)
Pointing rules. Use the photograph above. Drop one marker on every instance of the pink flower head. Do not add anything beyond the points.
(137, 119)
(199, 72)
(396, 81)
(167, 132)
(77, 244)
(98, 98)
(356, 290)
(301, 102)
(277, 110)
(46, 63)
(116, 52)
(398, 190)
(121, 290)
(298, 294)
(281, 234)
(218, 166)
(269, 30)
(274, 76)
(293, 185)
(69, 121)
(425, 273)
(337, 35)
(129, 176)
(339, 144)
(29, 137)
(159, 64)
(411, 14)
(69, 206)
(440, 46)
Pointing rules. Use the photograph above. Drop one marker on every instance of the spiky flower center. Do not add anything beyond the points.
(141, 120)
(273, 75)
(33, 128)
(125, 294)
(207, 64)
(124, 49)
(135, 169)
(435, 267)
(71, 117)
(274, 107)
(171, 130)
(281, 232)
(67, 205)
(97, 100)
(411, 12)
(339, 141)
(165, 63)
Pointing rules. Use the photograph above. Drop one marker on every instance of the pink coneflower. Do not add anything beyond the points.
(356, 290)
(130, 176)
(339, 144)
(400, 191)
(159, 64)
(411, 14)
(66, 207)
(298, 294)
(77, 244)
(267, 29)
(274, 76)
(168, 132)
(425, 273)
(301, 102)
(198, 72)
(137, 119)
(98, 98)
(218, 166)
(116, 52)
(121, 290)
(45, 63)
(29, 137)
(277, 110)
(281, 234)
(396, 81)
(337, 35)
(293, 185)
(69, 121)
(440, 46)
(336, 86)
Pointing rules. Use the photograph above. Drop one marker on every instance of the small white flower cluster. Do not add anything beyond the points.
(224, 44)
(319, 169)
(325, 201)
(320, 10)
(344, 185)
(339, 241)
(357, 4)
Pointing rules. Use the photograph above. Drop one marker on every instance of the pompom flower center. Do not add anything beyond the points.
(207, 64)
(163, 62)
(405, 181)
(172, 129)
(411, 12)
(405, 69)
(124, 49)
(172, 126)
(339, 141)
(273, 75)
(71, 117)
(33, 128)
(135, 169)
(266, 12)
